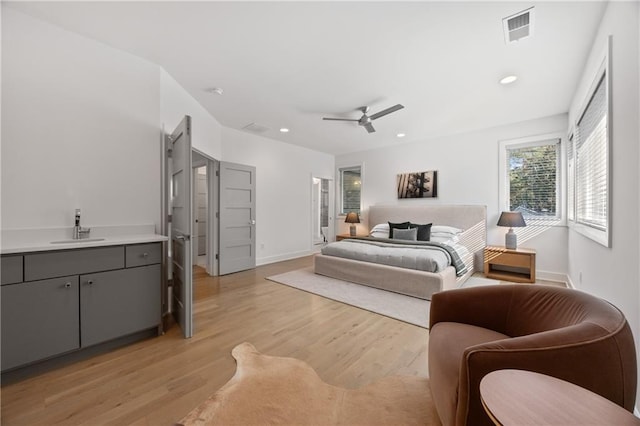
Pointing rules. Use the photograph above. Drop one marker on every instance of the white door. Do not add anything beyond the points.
(237, 249)
(181, 225)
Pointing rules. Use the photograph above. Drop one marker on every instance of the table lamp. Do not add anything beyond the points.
(352, 218)
(512, 220)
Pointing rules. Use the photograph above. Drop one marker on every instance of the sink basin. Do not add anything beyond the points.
(84, 240)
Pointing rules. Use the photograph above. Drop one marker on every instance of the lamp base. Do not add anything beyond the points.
(352, 230)
(511, 240)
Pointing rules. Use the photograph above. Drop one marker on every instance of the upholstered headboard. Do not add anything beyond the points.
(460, 216)
(470, 218)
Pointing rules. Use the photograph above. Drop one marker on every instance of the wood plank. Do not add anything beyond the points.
(159, 380)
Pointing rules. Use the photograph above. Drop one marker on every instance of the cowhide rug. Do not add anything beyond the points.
(267, 390)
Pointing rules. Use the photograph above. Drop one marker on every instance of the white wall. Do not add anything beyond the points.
(175, 103)
(80, 129)
(467, 166)
(283, 191)
(612, 273)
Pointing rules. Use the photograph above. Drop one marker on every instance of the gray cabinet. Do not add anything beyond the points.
(117, 303)
(60, 301)
(11, 269)
(39, 319)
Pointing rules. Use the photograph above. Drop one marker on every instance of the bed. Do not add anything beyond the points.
(470, 219)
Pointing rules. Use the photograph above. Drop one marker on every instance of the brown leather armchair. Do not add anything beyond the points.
(555, 331)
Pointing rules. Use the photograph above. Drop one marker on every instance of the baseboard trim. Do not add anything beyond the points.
(281, 257)
(552, 276)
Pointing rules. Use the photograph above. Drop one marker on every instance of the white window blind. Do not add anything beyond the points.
(533, 179)
(571, 180)
(591, 162)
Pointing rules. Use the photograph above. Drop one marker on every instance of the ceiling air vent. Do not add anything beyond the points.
(255, 127)
(518, 26)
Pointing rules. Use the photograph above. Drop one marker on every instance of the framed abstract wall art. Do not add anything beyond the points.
(418, 185)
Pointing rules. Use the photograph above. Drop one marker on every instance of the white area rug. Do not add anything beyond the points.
(398, 306)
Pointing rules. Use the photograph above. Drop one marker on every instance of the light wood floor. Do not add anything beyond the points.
(159, 380)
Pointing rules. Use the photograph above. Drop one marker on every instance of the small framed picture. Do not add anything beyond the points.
(418, 185)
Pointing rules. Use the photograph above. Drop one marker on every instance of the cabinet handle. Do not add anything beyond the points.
(90, 282)
(67, 285)
(145, 255)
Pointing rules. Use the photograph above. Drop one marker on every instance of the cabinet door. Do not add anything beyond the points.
(39, 320)
(117, 303)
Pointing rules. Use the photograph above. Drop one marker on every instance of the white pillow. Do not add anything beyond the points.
(444, 229)
(445, 239)
(380, 231)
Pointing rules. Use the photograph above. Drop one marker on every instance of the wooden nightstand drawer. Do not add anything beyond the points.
(510, 265)
(517, 260)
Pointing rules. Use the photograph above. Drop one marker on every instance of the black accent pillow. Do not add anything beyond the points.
(424, 231)
(392, 226)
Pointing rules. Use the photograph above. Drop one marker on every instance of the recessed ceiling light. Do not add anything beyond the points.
(284, 130)
(401, 135)
(508, 79)
(216, 90)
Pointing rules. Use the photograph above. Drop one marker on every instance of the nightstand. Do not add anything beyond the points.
(517, 265)
(343, 236)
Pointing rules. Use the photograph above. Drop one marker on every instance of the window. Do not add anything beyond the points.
(571, 180)
(589, 155)
(531, 178)
(350, 189)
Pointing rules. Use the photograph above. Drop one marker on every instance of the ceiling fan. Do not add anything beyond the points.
(366, 120)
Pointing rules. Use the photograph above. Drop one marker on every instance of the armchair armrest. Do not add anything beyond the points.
(569, 354)
(486, 307)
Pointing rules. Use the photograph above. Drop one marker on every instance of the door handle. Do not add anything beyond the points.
(252, 222)
(183, 237)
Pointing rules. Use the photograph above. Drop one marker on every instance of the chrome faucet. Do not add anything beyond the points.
(78, 231)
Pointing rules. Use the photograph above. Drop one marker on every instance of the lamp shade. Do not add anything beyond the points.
(511, 220)
(352, 217)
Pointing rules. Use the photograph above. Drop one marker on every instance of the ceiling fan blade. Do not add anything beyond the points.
(340, 119)
(386, 111)
(369, 127)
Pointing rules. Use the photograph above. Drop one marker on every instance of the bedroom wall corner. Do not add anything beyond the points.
(283, 192)
(175, 103)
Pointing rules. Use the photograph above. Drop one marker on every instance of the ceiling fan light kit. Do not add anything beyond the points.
(365, 120)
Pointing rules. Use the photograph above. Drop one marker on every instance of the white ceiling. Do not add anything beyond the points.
(288, 64)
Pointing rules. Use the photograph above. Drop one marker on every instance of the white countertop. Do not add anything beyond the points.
(34, 240)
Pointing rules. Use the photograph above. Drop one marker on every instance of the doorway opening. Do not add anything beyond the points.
(200, 214)
(321, 211)
(204, 212)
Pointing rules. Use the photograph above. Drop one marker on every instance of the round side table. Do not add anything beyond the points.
(518, 397)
